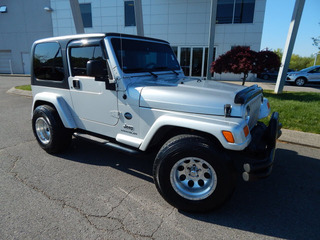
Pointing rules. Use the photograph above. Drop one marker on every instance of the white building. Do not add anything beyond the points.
(184, 23)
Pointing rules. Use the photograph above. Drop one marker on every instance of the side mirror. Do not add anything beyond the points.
(99, 70)
(96, 68)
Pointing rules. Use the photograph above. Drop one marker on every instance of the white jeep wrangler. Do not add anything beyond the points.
(129, 93)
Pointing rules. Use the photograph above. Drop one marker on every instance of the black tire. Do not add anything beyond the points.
(192, 174)
(49, 131)
(300, 81)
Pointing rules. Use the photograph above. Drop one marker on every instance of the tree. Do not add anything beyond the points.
(243, 60)
(238, 60)
(298, 62)
(316, 41)
(279, 52)
(266, 60)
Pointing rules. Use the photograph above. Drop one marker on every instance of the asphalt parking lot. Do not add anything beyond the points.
(91, 192)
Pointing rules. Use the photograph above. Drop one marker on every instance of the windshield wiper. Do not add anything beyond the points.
(166, 68)
(174, 71)
(155, 75)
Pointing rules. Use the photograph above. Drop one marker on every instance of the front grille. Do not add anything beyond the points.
(254, 105)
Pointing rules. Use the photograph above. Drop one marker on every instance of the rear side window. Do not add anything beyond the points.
(79, 56)
(47, 62)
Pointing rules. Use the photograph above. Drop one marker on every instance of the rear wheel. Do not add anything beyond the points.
(300, 82)
(49, 131)
(192, 175)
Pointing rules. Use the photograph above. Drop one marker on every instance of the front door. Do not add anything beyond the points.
(93, 104)
(314, 75)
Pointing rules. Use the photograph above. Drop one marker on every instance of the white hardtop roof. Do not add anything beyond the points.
(76, 36)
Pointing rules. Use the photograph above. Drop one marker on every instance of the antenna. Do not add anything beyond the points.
(121, 52)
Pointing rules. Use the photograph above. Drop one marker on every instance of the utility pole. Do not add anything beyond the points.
(315, 58)
(291, 38)
(212, 29)
(77, 18)
(139, 17)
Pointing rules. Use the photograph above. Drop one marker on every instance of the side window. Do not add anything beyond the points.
(47, 62)
(79, 56)
(316, 70)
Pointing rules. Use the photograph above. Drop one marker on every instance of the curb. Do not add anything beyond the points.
(20, 92)
(288, 136)
(300, 138)
(14, 75)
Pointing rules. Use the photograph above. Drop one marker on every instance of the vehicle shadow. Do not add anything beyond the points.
(87, 152)
(285, 205)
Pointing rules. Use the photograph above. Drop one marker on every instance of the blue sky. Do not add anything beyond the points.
(276, 25)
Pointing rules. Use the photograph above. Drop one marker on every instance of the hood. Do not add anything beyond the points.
(193, 96)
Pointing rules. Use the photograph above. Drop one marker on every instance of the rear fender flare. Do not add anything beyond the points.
(60, 105)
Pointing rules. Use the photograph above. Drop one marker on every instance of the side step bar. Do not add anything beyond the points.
(106, 143)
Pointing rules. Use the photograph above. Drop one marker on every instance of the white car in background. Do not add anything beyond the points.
(310, 74)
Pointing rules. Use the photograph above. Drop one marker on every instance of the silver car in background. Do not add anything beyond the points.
(310, 74)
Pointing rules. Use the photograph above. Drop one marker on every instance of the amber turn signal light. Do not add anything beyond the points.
(246, 131)
(228, 136)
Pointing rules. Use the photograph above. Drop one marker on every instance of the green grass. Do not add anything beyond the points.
(298, 110)
(24, 87)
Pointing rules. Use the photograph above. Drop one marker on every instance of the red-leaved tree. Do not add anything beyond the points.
(267, 60)
(243, 60)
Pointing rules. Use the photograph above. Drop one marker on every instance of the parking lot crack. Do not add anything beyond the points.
(63, 203)
(161, 223)
(117, 223)
(16, 159)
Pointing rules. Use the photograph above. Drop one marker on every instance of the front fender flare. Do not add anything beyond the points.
(212, 126)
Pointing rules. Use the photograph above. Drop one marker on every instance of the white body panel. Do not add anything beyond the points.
(93, 102)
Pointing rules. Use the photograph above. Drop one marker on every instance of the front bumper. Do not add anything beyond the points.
(259, 155)
(290, 79)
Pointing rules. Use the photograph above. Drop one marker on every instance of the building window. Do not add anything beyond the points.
(232, 47)
(235, 11)
(86, 14)
(175, 51)
(185, 56)
(225, 11)
(193, 60)
(47, 62)
(129, 17)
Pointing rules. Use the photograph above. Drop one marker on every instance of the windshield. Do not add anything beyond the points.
(307, 69)
(143, 56)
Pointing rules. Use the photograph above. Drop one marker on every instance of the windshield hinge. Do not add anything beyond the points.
(115, 113)
(227, 110)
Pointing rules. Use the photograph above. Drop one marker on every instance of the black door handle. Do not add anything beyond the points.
(76, 84)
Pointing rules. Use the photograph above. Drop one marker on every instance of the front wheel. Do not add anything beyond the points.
(300, 82)
(192, 175)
